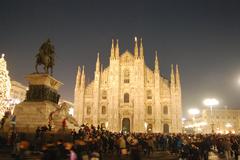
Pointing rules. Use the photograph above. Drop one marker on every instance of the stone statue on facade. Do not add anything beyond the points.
(45, 57)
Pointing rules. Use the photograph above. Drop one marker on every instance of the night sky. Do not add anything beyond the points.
(203, 37)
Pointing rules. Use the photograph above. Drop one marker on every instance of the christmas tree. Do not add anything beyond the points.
(5, 87)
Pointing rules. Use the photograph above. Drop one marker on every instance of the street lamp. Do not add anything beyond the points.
(211, 102)
(193, 112)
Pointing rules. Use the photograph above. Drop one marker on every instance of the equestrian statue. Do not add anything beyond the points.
(45, 57)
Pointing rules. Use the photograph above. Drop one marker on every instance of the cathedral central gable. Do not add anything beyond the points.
(127, 57)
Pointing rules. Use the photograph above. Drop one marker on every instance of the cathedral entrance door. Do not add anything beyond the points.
(165, 128)
(126, 125)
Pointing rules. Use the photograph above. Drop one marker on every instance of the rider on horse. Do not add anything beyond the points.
(46, 56)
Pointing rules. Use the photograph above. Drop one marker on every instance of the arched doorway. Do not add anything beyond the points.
(165, 128)
(126, 125)
(149, 128)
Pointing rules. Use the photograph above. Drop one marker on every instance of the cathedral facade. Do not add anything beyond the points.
(129, 96)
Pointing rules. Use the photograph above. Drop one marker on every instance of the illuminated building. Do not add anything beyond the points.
(226, 120)
(129, 96)
(18, 92)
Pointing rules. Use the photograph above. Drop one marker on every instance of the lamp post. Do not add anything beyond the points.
(193, 112)
(211, 102)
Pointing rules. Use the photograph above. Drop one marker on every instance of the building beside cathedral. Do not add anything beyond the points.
(221, 120)
(129, 96)
(17, 92)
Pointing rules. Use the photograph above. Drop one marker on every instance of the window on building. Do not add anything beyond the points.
(104, 110)
(126, 76)
(88, 110)
(149, 94)
(126, 98)
(165, 109)
(149, 110)
(104, 94)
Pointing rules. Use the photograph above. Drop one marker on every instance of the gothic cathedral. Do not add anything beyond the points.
(129, 96)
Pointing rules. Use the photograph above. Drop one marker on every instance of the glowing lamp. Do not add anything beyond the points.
(211, 102)
(193, 111)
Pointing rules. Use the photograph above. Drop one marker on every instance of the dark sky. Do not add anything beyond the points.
(203, 37)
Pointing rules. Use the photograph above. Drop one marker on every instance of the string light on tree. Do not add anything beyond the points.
(5, 86)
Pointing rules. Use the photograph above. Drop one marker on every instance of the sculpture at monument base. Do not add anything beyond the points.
(60, 119)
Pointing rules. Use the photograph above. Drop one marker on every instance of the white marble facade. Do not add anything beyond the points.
(127, 95)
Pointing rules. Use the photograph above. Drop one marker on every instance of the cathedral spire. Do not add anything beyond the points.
(78, 78)
(172, 77)
(135, 48)
(112, 50)
(117, 50)
(101, 69)
(156, 69)
(178, 82)
(83, 78)
(141, 49)
(97, 64)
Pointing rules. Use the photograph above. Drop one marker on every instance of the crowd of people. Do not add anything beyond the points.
(95, 143)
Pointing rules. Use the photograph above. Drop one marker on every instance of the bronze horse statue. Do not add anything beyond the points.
(45, 57)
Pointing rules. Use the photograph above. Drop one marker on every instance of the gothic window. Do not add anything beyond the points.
(165, 110)
(126, 98)
(149, 110)
(104, 94)
(126, 76)
(149, 94)
(104, 110)
(88, 110)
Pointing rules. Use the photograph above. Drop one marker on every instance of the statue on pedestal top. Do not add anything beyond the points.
(45, 57)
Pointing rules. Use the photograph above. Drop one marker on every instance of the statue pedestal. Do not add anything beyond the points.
(41, 99)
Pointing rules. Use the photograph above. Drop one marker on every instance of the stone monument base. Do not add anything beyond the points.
(41, 100)
(30, 115)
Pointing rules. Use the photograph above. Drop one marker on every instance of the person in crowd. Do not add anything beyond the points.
(122, 145)
(227, 148)
(72, 154)
(235, 148)
(134, 149)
